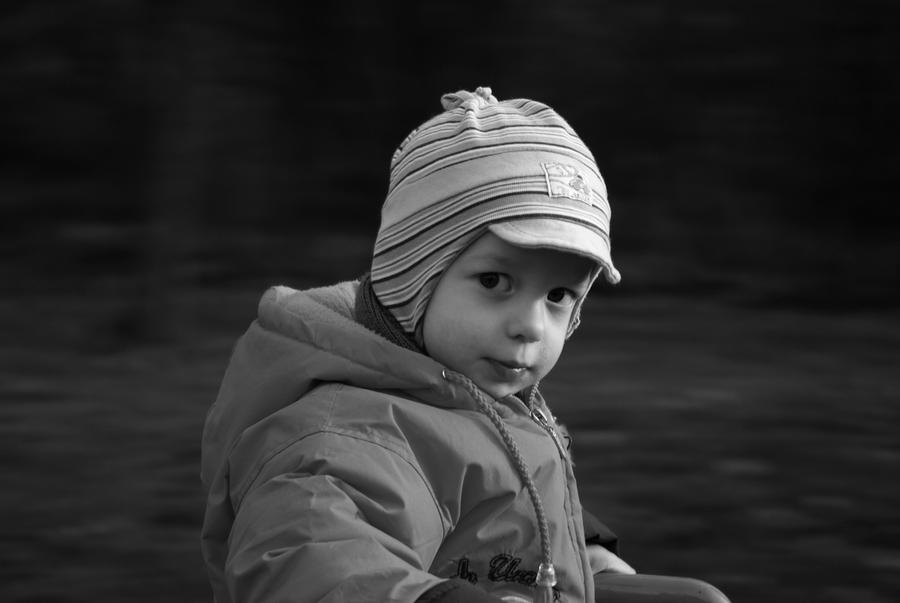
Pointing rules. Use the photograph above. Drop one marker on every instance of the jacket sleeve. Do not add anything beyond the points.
(596, 532)
(333, 517)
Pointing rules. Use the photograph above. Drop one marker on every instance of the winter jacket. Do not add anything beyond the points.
(341, 467)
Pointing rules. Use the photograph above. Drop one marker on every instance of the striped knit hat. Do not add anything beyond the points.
(515, 168)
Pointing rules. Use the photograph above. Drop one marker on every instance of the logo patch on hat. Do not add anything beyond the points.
(564, 180)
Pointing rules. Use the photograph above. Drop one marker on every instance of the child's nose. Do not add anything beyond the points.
(527, 321)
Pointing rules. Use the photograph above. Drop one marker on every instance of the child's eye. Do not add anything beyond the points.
(489, 280)
(561, 295)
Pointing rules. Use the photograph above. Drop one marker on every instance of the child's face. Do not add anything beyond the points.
(500, 313)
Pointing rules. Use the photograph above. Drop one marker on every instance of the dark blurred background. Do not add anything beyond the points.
(733, 401)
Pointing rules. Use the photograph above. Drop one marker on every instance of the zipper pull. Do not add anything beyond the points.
(538, 416)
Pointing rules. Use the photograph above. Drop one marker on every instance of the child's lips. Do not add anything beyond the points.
(507, 370)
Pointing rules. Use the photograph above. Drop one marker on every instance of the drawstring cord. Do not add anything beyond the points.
(546, 574)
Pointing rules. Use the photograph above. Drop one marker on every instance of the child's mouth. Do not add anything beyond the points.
(507, 371)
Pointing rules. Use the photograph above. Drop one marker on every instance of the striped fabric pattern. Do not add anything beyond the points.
(480, 163)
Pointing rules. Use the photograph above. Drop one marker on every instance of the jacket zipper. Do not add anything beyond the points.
(538, 416)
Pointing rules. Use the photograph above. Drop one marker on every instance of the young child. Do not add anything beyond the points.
(385, 440)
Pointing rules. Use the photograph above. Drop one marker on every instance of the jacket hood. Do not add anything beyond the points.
(301, 338)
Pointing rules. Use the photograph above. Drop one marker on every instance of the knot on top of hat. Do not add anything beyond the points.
(468, 100)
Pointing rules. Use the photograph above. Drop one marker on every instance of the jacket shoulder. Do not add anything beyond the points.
(349, 417)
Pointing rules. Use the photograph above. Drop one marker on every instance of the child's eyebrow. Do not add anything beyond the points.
(491, 256)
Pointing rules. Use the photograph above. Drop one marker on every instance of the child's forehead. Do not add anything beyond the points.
(491, 249)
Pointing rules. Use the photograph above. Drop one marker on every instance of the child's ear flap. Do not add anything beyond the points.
(574, 321)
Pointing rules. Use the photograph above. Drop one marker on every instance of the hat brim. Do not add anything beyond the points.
(546, 233)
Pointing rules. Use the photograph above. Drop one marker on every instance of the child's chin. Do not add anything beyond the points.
(500, 394)
(499, 391)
